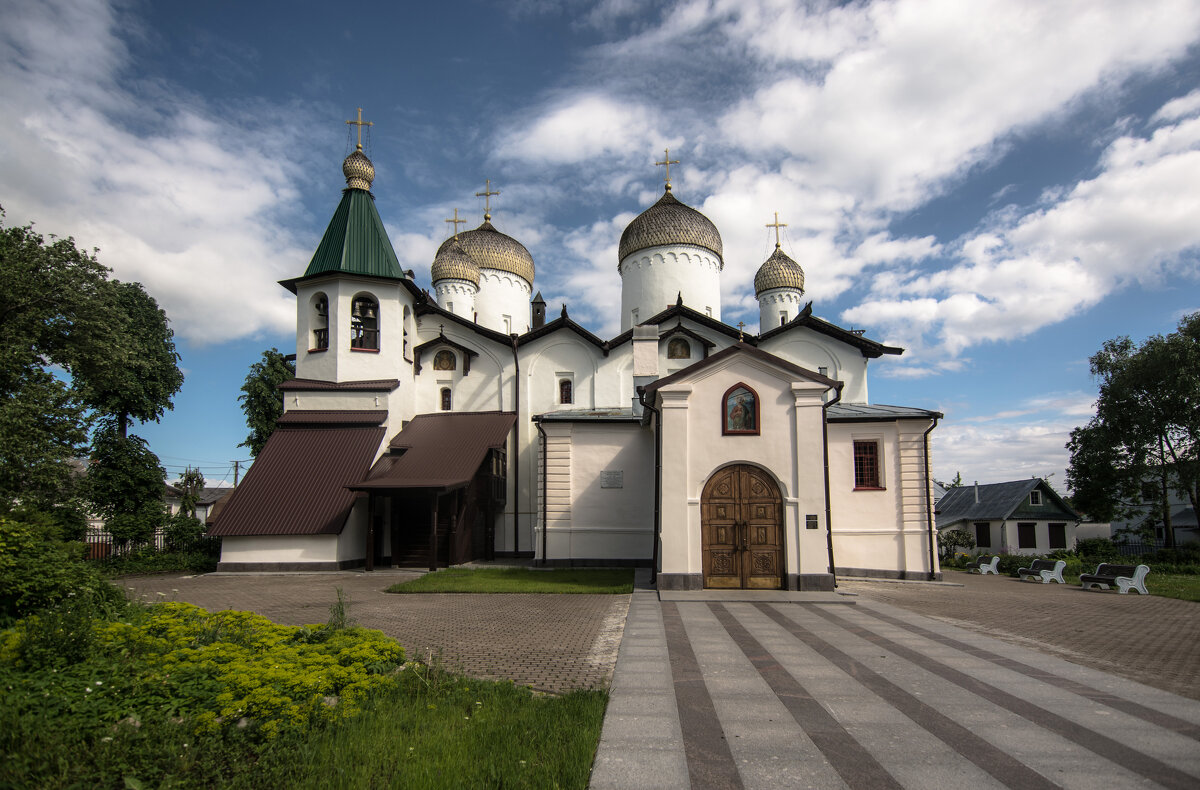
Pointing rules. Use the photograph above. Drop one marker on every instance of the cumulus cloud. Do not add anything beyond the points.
(582, 128)
(1133, 222)
(188, 203)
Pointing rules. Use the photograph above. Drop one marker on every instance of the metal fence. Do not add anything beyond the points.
(101, 545)
(1136, 548)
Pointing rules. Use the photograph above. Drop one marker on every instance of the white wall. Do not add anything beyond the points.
(812, 350)
(279, 548)
(589, 514)
(653, 279)
(503, 294)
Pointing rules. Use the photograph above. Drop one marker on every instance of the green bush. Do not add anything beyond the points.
(38, 572)
(1098, 550)
(182, 531)
(148, 560)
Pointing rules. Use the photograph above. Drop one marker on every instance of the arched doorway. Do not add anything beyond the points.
(741, 525)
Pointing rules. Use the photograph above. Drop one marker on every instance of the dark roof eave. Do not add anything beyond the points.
(559, 324)
(429, 307)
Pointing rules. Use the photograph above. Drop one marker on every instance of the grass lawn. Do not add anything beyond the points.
(596, 581)
(454, 732)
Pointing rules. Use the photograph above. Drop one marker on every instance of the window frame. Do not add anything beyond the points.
(445, 399)
(1050, 529)
(861, 482)
(566, 391)
(1035, 498)
(983, 528)
(360, 333)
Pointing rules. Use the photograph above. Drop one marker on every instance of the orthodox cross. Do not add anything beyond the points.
(776, 225)
(741, 325)
(486, 194)
(360, 123)
(456, 222)
(441, 329)
(668, 161)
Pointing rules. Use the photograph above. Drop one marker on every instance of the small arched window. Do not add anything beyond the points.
(320, 323)
(678, 348)
(407, 313)
(565, 394)
(364, 323)
(444, 360)
(447, 400)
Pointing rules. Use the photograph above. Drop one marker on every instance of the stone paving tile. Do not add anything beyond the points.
(1145, 638)
(551, 643)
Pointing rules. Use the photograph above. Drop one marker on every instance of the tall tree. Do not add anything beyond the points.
(139, 376)
(1144, 442)
(125, 484)
(261, 399)
(191, 484)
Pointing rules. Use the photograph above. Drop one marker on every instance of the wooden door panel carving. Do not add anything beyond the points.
(741, 514)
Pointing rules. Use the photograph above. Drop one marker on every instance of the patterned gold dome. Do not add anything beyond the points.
(491, 249)
(779, 271)
(358, 170)
(670, 222)
(453, 263)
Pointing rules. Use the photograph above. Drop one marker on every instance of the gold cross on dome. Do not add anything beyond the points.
(486, 194)
(667, 161)
(456, 222)
(360, 123)
(776, 225)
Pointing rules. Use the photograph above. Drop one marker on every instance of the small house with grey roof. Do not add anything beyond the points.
(1018, 517)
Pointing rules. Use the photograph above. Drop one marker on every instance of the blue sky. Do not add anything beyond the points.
(998, 187)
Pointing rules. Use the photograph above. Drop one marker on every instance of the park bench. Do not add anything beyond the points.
(985, 566)
(1046, 570)
(1126, 577)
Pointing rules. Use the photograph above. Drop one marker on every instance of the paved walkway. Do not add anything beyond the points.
(551, 643)
(726, 694)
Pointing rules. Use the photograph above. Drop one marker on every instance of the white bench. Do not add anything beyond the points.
(1046, 570)
(991, 566)
(1125, 577)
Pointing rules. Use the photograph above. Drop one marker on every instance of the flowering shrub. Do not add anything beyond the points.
(216, 670)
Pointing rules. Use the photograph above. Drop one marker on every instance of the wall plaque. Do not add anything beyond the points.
(612, 479)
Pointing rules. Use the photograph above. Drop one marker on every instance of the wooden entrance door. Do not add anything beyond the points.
(741, 524)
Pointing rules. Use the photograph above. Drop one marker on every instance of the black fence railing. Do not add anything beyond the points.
(101, 545)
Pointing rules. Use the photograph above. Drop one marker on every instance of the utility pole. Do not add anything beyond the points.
(237, 467)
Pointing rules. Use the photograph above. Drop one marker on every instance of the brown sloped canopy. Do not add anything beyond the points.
(440, 451)
(297, 485)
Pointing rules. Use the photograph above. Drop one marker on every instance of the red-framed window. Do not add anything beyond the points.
(866, 465)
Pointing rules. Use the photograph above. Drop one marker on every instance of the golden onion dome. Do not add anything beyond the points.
(670, 222)
(453, 263)
(491, 249)
(778, 271)
(358, 170)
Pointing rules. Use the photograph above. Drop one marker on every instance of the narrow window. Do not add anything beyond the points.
(444, 360)
(364, 324)
(1058, 536)
(1035, 497)
(678, 348)
(446, 399)
(1026, 536)
(634, 316)
(508, 324)
(564, 391)
(321, 323)
(782, 317)
(407, 312)
(708, 311)
(866, 465)
(983, 534)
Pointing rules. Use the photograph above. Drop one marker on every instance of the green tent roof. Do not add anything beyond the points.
(355, 241)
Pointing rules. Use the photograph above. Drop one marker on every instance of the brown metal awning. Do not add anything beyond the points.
(438, 451)
(297, 485)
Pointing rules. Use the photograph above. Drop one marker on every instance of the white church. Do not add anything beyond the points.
(434, 427)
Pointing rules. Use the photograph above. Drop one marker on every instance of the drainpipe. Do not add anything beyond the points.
(516, 447)
(538, 424)
(929, 498)
(828, 509)
(641, 393)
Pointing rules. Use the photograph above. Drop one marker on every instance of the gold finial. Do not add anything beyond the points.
(456, 222)
(776, 225)
(486, 194)
(668, 161)
(360, 123)
(741, 325)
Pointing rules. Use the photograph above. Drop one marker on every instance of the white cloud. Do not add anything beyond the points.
(190, 204)
(581, 128)
(1135, 221)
